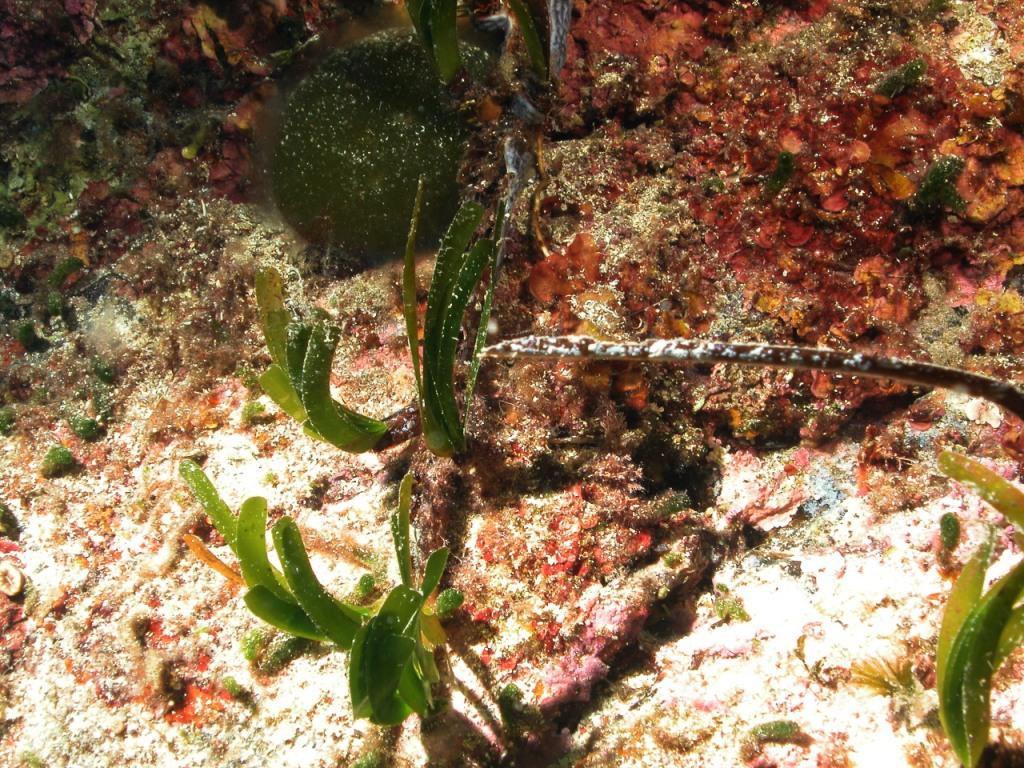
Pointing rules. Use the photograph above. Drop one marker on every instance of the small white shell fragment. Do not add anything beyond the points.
(12, 580)
(982, 412)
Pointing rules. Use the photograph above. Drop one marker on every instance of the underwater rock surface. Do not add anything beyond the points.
(658, 564)
(357, 135)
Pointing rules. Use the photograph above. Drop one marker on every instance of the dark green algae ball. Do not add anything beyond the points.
(358, 133)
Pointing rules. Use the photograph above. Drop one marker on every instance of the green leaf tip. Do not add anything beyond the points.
(298, 380)
(278, 387)
(338, 425)
(252, 551)
(1006, 498)
(962, 598)
(336, 621)
(206, 494)
(964, 706)
(435, 24)
(531, 37)
(442, 428)
(476, 357)
(978, 631)
(444, 38)
(434, 570)
(400, 531)
(409, 303)
(274, 318)
(286, 616)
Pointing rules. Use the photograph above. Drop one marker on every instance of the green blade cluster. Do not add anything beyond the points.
(391, 666)
(457, 272)
(979, 631)
(298, 381)
(434, 21)
(291, 599)
(1006, 498)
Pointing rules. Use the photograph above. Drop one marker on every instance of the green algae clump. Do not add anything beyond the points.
(57, 462)
(357, 135)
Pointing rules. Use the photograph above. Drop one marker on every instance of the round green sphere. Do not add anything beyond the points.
(358, 133)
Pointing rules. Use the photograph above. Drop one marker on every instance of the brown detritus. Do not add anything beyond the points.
(14, 634)
(889, 450)
(439, 504)
(403, 425)
(316, 492)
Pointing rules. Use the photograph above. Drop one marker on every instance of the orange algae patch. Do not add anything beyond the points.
(156, 637)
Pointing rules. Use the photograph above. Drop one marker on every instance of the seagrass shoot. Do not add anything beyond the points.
(391, 667)
(302, 349)
(980, 628)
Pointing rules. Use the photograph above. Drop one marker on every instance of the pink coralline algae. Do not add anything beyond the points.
(599, 632)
